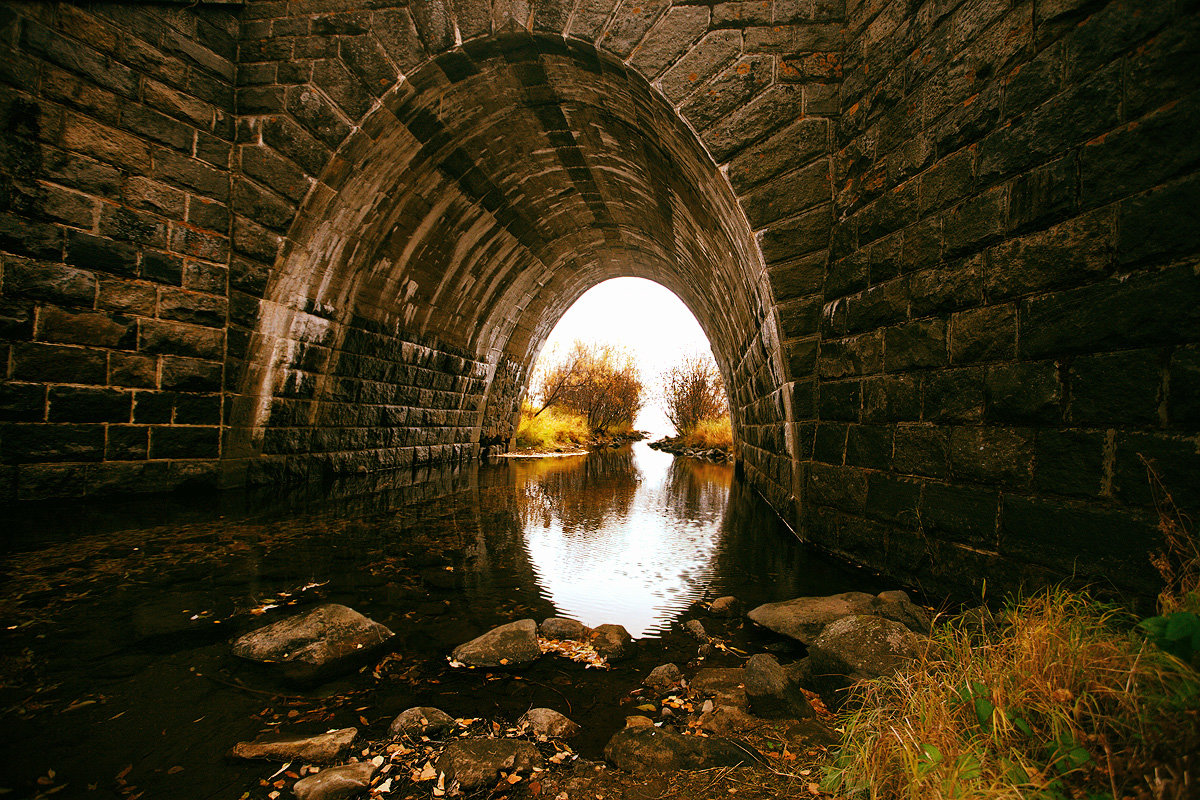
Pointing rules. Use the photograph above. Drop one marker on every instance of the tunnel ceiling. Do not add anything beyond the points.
(501, 181)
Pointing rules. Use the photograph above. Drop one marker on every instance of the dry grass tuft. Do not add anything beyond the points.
(710, 433)
(1053, 697)
(551, 428)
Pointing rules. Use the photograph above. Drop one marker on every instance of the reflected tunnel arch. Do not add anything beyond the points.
(473, 205)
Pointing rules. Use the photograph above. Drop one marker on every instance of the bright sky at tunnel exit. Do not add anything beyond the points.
(642, 316)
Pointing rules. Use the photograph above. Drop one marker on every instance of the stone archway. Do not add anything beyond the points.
(449, 231)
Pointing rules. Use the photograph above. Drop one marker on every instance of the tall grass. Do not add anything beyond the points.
(549, 429)
(710, 433)
(1055, 696)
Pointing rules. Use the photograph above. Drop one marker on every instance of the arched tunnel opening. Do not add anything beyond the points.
(479, 200)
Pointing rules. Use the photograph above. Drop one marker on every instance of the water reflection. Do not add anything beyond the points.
(623, 536)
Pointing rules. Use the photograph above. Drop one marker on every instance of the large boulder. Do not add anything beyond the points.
(422, 721)
(773, 691)
(896, 606)
(547, 722)
(860, 647)
(307, 647)
(803, 617)
(477, 763)
(651, 749)
(563, 628)
(611, 641)
(511, 645)
(320, 749)
(335, 783)
(727, 606)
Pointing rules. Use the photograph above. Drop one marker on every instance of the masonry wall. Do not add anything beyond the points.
(1011, 318)
(114, 244)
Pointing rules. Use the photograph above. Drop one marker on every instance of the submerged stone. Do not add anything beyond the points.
(476, 763)
(335, 783)
(562, 628)
(803, 618)
(319, 749)
(326, 640)
(421, 721)
(611, 641)
(651, 749)
(662, 677)
(728, 606)
(511, 645)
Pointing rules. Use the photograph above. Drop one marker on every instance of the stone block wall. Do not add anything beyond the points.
(1010, 319)
(117, 126)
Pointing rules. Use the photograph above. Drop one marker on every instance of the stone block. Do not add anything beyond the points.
(96, 328)
(892, 499)
(843, 488)
(796, 237)
(983, 334)
(88, 404)
(153, 407)
(56, 283)
(1025, 392)
(921, 450)
(1139, 311)
(25, 443)
(1183, 380)
(1125, 388)
(1161, 224)
(878, 306)
(962, 514)
(891, 398)
(1078, 251)
(22, 402)
(162, 268)
(173, 441)
(788, 195)
(672, 36)
(869, 446)
(729, 89)
(976, 222)
(1002, 456)
(190, 375)
(956, 286)
(1069, 462)
(102, 255)
(1043, 194)
(177, 338)
(955, 395)
(839, 400)
(126, 443)
(911, 345)
(829, 443)
(753, 121)
(341, 87)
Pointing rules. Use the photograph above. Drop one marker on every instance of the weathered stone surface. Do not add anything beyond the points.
(725, 720)
(803, 618)
(648, 749)
(320, 642)
(476, 763)
(422, 720)
(773, 690)
(729, 607)
(335, 783)
(726, 684)
(560, 628)
(548, 722)
(662, 677)
(320, 749)
(859, 647)
(511, 645)
(611, 641)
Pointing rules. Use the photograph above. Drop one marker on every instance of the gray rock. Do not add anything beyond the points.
(320, 749)
(650, 749)
(476, 763)
(547, 722)
(804, 617)
(772, 690)
(860, 647)
(696, 628)
(728, 607)
(662, 677)
(511, 645)
(728, 719)
(422, 721)
(335, 783)
(726, 684)
(900, 610)
(324, 641)
(561, 628)
(611, 641)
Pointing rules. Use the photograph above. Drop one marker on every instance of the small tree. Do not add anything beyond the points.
(598, 382)
(692, 392)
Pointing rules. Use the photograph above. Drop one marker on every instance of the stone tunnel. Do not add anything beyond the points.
(945, 251)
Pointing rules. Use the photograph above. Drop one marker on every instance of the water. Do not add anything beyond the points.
(115, 618)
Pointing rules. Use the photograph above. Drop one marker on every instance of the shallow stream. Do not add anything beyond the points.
(115, 618)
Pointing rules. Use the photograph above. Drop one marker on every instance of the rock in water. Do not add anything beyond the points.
(804, 617)
(696, 628)
(562, 628)
(662, 677)
(772, 691)
(320, 749)
(476, 763)
(511, 645)
(422, 721)
(335, 783)
(611, 641)
(726, 684)
(548, 722)
(650, 749)
(307, 647)
(728, 607)
(859, 647)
